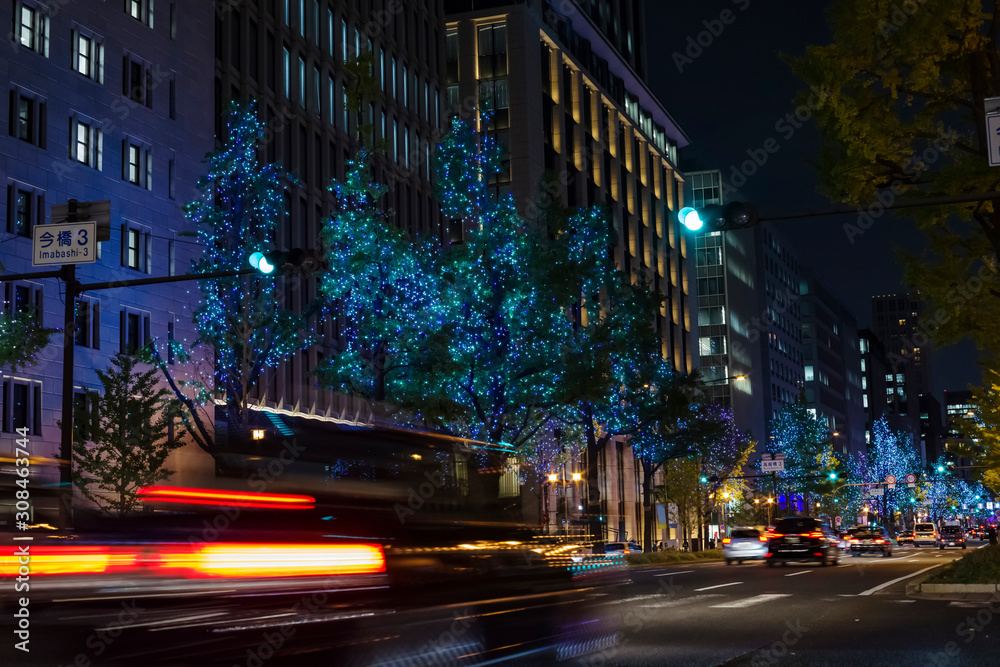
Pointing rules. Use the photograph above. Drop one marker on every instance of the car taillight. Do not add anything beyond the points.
(815, 533)
(777, 534)
(763, 538)
(726, 540)
(70, 560)
(878, 541)
(276, 560)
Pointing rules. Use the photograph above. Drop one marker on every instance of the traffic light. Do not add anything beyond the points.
(296, 260)
(833, 476)
(704, 480)
(716, 218)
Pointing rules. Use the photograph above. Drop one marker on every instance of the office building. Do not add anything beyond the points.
(572, 112)
(106, 102)
(832, 364)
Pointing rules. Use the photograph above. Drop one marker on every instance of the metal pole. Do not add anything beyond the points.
(66, 442)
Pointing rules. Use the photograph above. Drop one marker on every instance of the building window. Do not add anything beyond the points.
(134, 332)
(25, 209)
(31, 27)
(136, 248)
(88, 323)
(86, 142)
(137, 81)
(88, 56)
(22, 406)
(302, 82)
(137, 163)
(287, 70)
(492, 51)
(140, 10)
(28, 117)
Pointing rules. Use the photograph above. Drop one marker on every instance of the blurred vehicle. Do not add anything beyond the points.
(845, 537)
(905, 537)
(402, 539)
(744, 544)
(802, 539)
(951, 536)
(925, 533)
(869, 540)
(620, 548)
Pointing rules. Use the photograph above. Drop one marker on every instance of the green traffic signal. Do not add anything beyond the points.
(704, 479)
(262, 263)
(715, 218)
(833, 475)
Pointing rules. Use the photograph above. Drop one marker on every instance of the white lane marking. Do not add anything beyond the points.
(664, 604)
(708, 588)
(749, 602)
(668, 574)
(635, 598)
(896, 581)
(795, 574)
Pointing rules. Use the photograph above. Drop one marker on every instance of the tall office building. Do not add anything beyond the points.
(565, 83)
(105, 102)
(832, 364)
(959, 409)
(896, 320)
(749, 327)
(293, 57)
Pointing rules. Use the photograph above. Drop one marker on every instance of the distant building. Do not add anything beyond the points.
(749, 323)
(959, 410)
(932, 433)
(881, 397)
(832, 364)
(896, 320)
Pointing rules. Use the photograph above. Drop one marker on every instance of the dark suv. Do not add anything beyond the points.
(951, 536)
(802, 539)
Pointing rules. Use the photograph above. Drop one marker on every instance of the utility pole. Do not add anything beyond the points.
(69, 349)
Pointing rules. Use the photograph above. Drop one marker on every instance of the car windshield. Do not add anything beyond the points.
(745, 534)
(952, 529)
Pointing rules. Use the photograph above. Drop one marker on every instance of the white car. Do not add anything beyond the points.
(744, 544)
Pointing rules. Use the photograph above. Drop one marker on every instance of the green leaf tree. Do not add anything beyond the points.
(805, 442)
(121, 440)
(903, 115)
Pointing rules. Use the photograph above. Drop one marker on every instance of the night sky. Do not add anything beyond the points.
(732, 98)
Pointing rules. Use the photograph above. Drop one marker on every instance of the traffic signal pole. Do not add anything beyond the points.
(842, 210)
(74, 289)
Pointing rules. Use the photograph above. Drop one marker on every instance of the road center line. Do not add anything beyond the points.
(668, 574)
(795, 574)
(895, 581)
(708, 588)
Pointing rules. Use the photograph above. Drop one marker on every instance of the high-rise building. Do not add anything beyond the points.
(959, 410)
(896, 320)
(832, 360)
(749, 327)
(880, 399)
(932, 433)
(106, 102)
(580, 127)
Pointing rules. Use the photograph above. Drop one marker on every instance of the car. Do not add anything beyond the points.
(802, 539)
(951, 536)
(871, 539)
(620, 548)
(905, 537)
(845, 537)
(744, 544)
(925, 533)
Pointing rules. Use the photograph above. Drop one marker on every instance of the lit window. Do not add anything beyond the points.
(28, 22)
(82, 142)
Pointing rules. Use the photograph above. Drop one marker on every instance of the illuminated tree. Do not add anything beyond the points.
(890, 453)
(22, 337)
(243, 320)
(805, 442)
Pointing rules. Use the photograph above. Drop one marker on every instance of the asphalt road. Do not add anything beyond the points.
(855, 613)
(704, 614)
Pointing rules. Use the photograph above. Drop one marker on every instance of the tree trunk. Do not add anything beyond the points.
(647, 508)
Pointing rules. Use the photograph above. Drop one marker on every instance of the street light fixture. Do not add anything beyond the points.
(711, 383)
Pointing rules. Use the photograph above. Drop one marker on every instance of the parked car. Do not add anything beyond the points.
(869, 540)
(951, 536)
(925, 533)
(802, 539)
(905, 537)
(744, 544)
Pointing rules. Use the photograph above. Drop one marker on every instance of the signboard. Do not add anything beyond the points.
(989, 506)
(837, 520)
(911, 480)
(891, 481)
(66, 243)
(772, 462)
(993, 135)
(876, 492)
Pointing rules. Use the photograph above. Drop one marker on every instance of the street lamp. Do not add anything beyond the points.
(711, 383)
